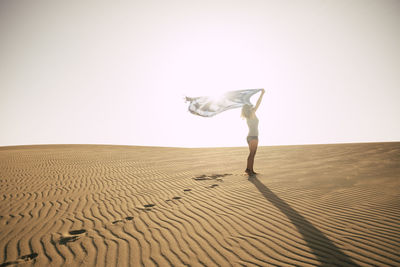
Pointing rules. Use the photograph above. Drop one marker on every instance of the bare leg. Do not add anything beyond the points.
(250, 159)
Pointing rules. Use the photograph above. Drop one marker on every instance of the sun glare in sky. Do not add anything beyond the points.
(106, 72)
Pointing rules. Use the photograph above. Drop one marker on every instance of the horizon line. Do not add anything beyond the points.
(195, 147)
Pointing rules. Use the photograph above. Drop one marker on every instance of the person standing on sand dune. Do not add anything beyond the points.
(249, 113)
(206, 106)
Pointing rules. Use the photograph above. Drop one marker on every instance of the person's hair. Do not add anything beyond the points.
(246, 111)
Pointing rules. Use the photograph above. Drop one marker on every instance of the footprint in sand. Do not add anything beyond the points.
(74, 236)
(67, 239)
(147, 207)
(21, 259)
(129, 218)
(211, 177)
(29, 257)
(77, 232)
(201, 178)
(174, 198)
(213, 185)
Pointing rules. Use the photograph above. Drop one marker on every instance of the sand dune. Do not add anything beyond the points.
(93, 205)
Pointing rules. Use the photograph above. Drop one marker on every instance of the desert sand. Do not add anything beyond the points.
(99, 205)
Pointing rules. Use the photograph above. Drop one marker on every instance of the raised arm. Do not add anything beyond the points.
(259, 100)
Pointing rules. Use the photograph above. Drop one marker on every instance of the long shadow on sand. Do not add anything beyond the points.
(327, 253)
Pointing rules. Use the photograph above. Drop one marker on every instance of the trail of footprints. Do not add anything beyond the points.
(148, 207)
(74, 235)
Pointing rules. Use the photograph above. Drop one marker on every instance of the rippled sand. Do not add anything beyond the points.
(92, 205)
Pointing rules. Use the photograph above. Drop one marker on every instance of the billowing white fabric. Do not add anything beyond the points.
(206, 106)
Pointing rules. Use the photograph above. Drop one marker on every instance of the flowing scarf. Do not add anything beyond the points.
(206, 106)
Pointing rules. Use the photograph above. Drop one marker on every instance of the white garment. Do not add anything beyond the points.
(206, 106)
(253, 126)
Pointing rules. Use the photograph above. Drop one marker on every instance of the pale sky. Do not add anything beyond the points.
(116, 72)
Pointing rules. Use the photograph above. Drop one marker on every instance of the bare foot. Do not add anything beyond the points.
(250, 172)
